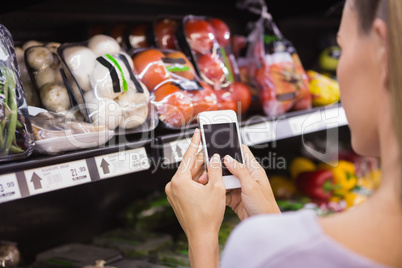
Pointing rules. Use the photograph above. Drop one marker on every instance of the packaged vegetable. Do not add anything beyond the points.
(206, 41)
(176, 91)
(164, 31)
(56, 133)
(16, 139)
(100, 76)
(324, 90)
(275, 67)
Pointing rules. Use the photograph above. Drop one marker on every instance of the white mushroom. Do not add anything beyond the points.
(53, 46)
(134, 107)
(24, 72)
(31, 43)
(44, 76)
(39, 58)
(81, 61)
(102, 44)
(55, 97)
(101, 80)
(104, 111)
(129, 59)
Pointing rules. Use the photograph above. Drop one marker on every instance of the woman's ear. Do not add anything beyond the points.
(381, 34)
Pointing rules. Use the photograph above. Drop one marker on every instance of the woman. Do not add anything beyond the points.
(370, 235)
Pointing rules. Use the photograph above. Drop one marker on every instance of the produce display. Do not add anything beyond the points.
(16, 139)
(176, 91)
(165, 32)
(327, 187)
(206, 41)
(103, 83)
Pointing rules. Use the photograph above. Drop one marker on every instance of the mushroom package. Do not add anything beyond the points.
(111, 93)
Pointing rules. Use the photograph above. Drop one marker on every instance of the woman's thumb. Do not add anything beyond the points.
(238, 170)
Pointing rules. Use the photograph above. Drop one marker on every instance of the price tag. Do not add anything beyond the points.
(55, 177)
(174, 151)
(306, 123)
(9, 189)
(121, 163)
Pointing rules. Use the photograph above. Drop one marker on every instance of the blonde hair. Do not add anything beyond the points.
(395, 67)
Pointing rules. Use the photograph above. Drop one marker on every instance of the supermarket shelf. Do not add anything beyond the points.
(40, 174)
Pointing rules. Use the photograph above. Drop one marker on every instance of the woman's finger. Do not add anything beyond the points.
(198, 167)
(190, 155)
(203, 179)
(239, 171)
(215, 170)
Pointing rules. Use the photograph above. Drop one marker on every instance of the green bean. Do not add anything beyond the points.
(12, 121)
(16, 149)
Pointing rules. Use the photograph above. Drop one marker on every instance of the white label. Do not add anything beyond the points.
(9, 189)
(257, 134)
(121, 163)
(55, 177)
(178, 149)
(309, 123)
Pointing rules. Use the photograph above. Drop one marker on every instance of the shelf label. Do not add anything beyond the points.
(122, 163)
(308, 123)
(174, 151)
(9, 189)
(55, 177)
(257, 134)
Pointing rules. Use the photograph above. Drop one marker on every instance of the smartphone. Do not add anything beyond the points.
(220, 134)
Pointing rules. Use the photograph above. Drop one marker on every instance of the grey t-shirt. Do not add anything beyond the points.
(293, 239)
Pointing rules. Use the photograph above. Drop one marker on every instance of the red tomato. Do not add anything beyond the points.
(239, 42)
(203, 100)
(242, 95)
(186, 74)
(211, 68)
(138, 36)
(165, 33)
(150, 68)
(200, 35)
(174, 106)
(222, 32)
(226, 100)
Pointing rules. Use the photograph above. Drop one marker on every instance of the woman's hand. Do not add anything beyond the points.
(198, 207)
(255, 196)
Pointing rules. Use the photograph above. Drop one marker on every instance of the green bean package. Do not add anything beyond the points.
(16, 138)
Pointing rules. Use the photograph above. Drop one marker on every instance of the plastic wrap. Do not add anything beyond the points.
(16, 139)
(44, 69)
(206, 41)
(55, 133)
(176, 90)
(275, 66)
(100, 76)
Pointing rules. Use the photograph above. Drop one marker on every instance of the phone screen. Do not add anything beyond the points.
(223, 139)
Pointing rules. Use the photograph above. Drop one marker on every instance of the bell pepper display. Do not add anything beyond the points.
(344, 176)
(318, 185)
(299, 165)
(282, 187)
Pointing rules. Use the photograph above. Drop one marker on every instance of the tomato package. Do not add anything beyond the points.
(164, 31)
(16, 138)
(176, 90)
(100, 76)
(206, 41)
(275, 69)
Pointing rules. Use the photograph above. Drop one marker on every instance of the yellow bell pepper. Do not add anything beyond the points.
(344, 176)
(353, 199)
(300, 165)
(324, 90)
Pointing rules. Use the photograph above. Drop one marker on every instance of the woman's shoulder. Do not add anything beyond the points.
(293, 239)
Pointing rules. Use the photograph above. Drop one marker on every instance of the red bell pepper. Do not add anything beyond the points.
(318, 185)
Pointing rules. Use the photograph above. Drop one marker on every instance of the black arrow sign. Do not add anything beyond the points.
(36, 181)
(105, 166)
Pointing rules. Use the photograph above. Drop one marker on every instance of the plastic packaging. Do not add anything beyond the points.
(276, 69)
(44, 69)
(16, 139)
(176, 90)
(100, 76)
(10, 256)
(55, 133)
(164, 31)
(206, 41)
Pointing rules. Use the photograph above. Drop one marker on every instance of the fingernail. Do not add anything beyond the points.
(196, 131)
(229, 159)
(215, 159)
